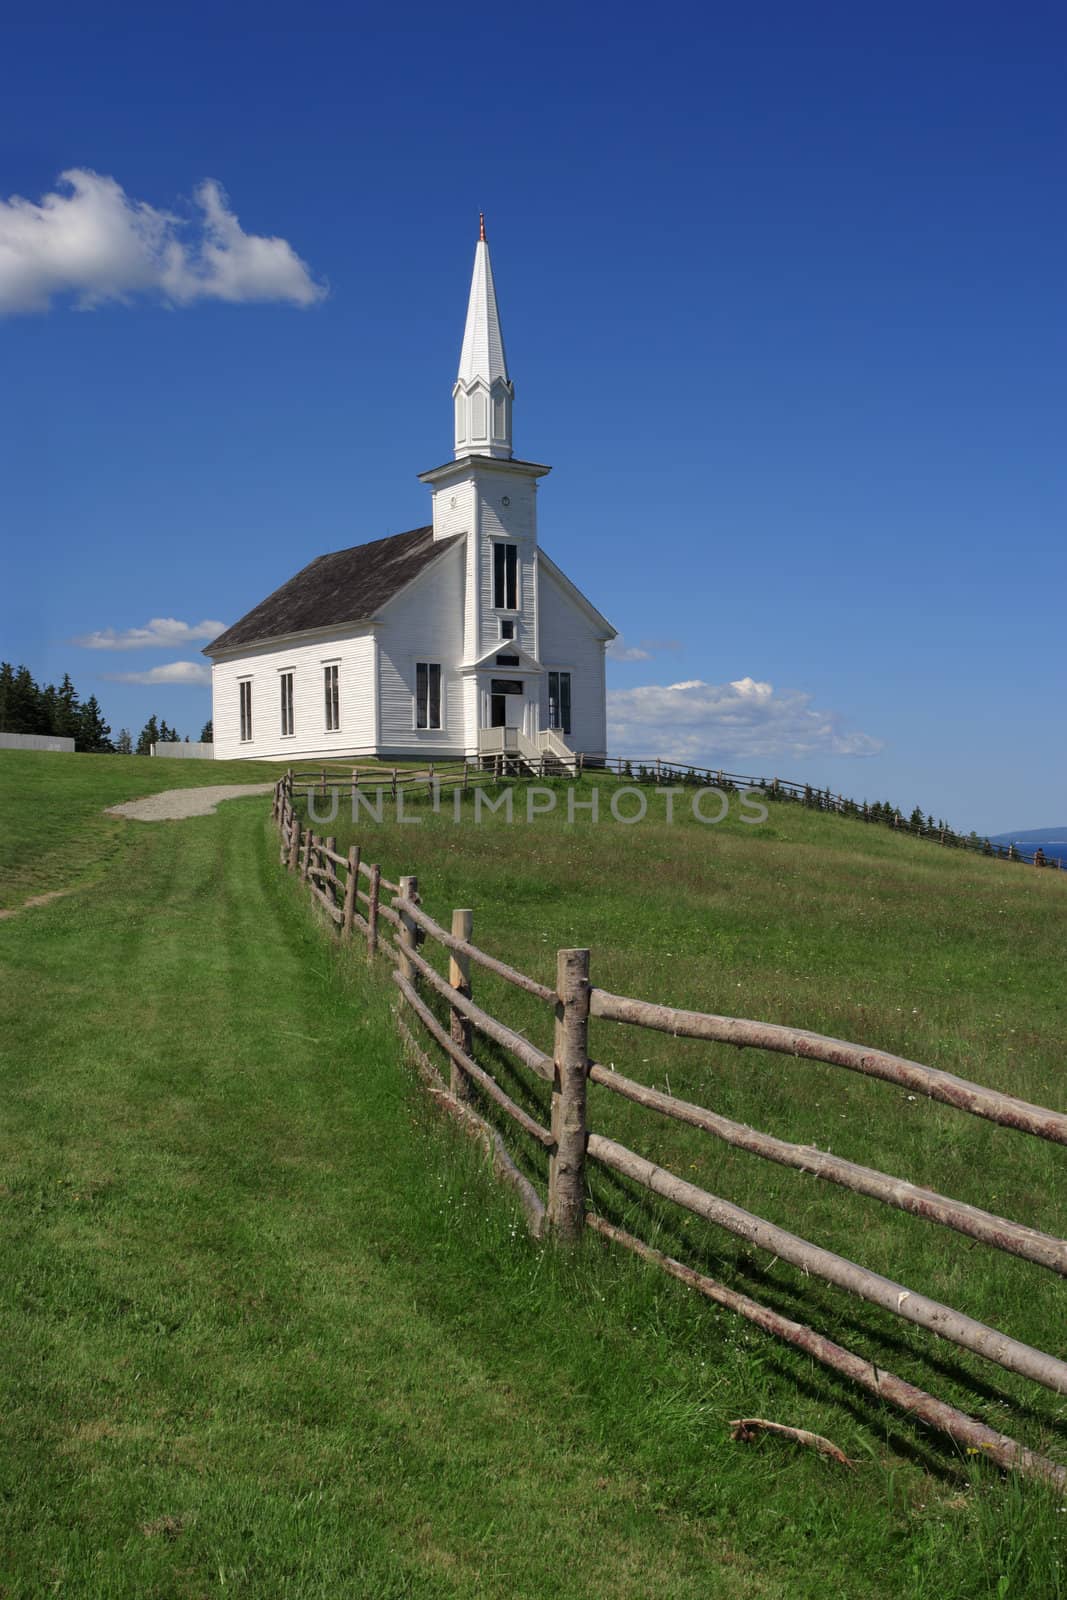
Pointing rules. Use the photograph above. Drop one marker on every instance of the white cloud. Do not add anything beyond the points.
(91, 240)
(162, 633)
(709, 723)
(619, 650)
(195, 672)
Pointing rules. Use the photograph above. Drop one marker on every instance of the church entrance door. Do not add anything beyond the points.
(507, 701)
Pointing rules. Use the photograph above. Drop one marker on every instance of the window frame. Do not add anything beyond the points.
(331, 694)
(505, 555)
(244, 701)
(428, 698)
(565, 724)
(288, 710)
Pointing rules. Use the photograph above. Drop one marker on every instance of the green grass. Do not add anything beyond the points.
(823, 923)
(270, 1330)
(55, 834)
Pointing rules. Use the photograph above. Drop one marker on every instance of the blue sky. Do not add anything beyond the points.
(783, 295)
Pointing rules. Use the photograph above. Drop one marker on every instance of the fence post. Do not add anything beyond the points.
(459, 976)
(309, 843)
(348, 916)
(331, 866)
(409, 890)
(294, 843)
(372, 911)
(566, 1178)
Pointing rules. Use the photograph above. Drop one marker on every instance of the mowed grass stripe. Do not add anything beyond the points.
(229, 1365)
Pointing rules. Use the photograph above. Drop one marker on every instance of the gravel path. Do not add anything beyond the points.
(174, 804)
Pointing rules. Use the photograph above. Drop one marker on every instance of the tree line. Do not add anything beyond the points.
(29, 707)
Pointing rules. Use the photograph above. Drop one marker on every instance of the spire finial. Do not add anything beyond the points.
(481, 226)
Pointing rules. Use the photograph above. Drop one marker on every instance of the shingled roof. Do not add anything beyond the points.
(334, 590)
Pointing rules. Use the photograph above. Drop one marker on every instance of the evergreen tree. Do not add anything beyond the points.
(68, 712)
(124, 744)
(94, 735)
(48, 710)
(148, 736)
(24, 715)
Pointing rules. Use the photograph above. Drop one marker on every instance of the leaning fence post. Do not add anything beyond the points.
(294, 842)
(566, 1178)
(372, 911)
(349, 913)
(459, 976)
(305, 865)
(409, 890)
(331, 867)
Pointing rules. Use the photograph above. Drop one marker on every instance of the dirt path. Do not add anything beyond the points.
(35, 900)
(172, 805)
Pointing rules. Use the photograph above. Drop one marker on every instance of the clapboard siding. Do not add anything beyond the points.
(516, 522)
(424, 623)
(263, 665)
(569, 643)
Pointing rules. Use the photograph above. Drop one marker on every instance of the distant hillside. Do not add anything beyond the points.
(1053, 841)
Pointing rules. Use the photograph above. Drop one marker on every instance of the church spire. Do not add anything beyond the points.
(483, 392)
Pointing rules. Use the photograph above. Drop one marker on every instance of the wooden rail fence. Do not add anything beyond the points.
(437, 780)
(658, 770)
(356, 897)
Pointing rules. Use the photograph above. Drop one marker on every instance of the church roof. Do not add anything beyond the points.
(335, 590)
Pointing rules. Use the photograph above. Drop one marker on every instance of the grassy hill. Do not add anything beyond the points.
(270, 1331)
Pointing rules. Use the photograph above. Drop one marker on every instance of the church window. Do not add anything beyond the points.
(559, 701)
(427, 694)
(286, 681)
(507, 627)
(461, 419)
(333, 697)
(500, 417)
(505, 575)
(245, 688)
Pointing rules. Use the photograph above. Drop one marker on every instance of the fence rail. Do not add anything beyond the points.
(657, 769)
(573, 1145)
(435, 780)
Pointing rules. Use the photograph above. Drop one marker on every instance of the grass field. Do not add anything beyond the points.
(55, 834)
(270, 1331)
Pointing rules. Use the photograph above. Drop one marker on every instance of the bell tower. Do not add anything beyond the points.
(484, 493)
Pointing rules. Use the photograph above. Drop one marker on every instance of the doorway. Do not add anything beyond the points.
(507, 698)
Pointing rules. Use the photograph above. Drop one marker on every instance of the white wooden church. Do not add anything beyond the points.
(459, 639)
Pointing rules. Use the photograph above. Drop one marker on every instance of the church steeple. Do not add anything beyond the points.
(483, 392)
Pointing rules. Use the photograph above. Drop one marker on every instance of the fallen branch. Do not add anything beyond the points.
(746, 1429)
